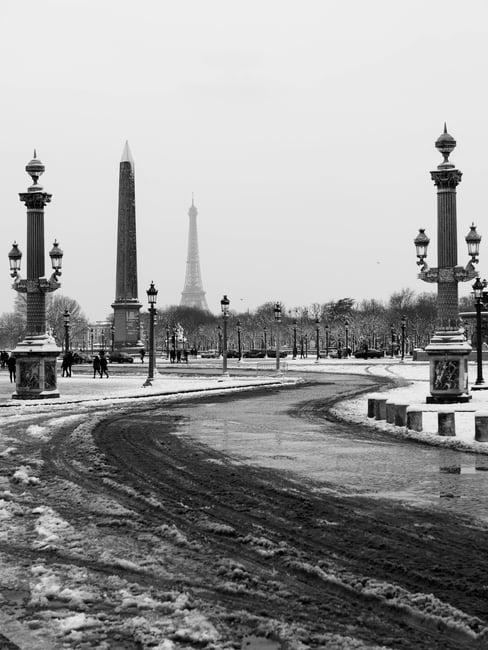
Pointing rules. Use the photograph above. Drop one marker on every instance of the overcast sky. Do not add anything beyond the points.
(305, 130)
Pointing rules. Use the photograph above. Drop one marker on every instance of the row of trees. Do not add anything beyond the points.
(370, 322)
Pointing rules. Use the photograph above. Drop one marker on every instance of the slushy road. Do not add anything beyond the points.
(202, 522)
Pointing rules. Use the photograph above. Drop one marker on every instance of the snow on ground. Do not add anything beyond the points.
(415, 376)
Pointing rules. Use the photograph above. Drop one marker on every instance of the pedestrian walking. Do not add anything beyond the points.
(178, 356)
(103, 365)
(172, 356)
(96, 366)
(11, 365)
(67, 363)
(142, 353)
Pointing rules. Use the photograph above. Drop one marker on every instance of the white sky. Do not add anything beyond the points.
(305, 129)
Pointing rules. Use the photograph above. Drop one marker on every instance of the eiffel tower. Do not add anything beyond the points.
(193, 294)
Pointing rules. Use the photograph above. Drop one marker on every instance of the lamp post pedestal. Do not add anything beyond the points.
(448, 353)
(36, 368)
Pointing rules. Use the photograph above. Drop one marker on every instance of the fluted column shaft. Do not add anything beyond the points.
(36, 299)
(446, 181)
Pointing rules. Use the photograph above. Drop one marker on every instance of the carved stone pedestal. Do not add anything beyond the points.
(36, 368)
(448, 353)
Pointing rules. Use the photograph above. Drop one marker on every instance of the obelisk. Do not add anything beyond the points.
(126, 306)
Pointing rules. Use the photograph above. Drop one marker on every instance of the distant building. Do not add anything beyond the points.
(193, 294)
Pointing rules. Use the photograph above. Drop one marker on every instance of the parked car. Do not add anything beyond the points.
(232, 354)
(272, 354)
(81, 357)
(210, 354)
(117, 356)
(254, 354)
(370, 353)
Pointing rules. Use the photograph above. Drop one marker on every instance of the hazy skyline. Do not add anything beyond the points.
(305, 130)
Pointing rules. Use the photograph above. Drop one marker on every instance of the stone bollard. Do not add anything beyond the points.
(414, 419)
(446, 423)
(390, 412)
(481, 426)
(401, 415)
(371, 405)
(380, 408)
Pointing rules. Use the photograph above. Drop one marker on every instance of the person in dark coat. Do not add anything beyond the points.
(96, 366)
(11, 365)
(103, 365)
(67, 363)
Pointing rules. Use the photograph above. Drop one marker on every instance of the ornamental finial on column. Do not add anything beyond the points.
(446, 144)
(35, 169)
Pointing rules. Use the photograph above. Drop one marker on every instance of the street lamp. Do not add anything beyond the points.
(327, 340)
(295, 339)
(265, 332)
(152, 294)
(392, 339)
(36, 376)
(167, 343)
(277, 317)
(66, 316)
(239, 349)
(479, 294)
(317, 341)
(224, 304)
(112, 334)
(404, 322)
(448, 348)
(346, 327)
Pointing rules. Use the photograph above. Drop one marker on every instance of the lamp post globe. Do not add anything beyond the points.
(152, 294)
(224, 304)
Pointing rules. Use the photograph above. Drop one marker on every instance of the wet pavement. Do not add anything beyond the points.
(285, 431)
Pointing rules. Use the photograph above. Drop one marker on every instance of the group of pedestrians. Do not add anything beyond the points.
(176, 355)
(100, 365)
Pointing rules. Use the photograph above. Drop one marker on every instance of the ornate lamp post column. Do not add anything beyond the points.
(404, 322)
(152, 294)
(239, 348)
(219, 336)
(265, 332)
(167, 343)
(479, 294)
(317, 339)
(448, 349)
(327, 340)
(277, 317)
(392, 329)
(66, 316)
(295, 350)
(346, 328)
(36, 354)
(224, 303)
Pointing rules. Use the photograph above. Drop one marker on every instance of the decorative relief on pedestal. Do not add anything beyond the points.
(49, 375)
(29, 374)
(446, 374)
